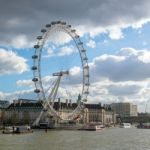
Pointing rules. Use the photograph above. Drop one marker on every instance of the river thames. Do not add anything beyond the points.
(108, 139)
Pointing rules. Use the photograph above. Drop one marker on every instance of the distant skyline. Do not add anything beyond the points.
(115, 34)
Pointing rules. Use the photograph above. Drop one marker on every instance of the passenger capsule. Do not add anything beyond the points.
(37, 91)
(80, 43)
(86, 92)
(84, 100)
(36, 46)
(34, 57)
(34, 68)
(86, 67)
(83, 50)
(86, 75)
(73, 30)
(53, 23)
(63, 23)
(35, 79)
(39, 37)
(77, 36)
(87, 84)
(85, 58)
(48, 25)
(58, 22)
(45, 109)
(43, 30)
(69, 26)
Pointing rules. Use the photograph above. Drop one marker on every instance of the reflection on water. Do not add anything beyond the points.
(108, 139)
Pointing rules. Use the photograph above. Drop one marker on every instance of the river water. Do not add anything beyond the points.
(108, 139)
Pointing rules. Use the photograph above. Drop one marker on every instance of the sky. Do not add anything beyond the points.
(115, 34)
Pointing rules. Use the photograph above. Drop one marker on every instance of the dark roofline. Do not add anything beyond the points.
(57, 105)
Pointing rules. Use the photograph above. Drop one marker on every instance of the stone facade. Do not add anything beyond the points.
(26, 113)
(3, 105)
(124, 109)
(95, 113)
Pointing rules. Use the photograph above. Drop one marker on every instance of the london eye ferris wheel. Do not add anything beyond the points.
(59, 69)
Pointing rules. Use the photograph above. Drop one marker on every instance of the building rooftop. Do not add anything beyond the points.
(4, 103)
(57, 105)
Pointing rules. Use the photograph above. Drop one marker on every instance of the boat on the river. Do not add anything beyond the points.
(143, 126)
(17, 130)
(93, 127)
(125, 125)
(8, 130)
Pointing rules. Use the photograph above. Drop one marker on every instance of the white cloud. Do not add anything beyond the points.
(71, 92)
(92, 30)
(120, 78)
(107, 92)
(75, 71)
(46, 80)
(26, 94)
(61, 51)
(2, 96)
(124, 89)
(10, 63)
(91, 44)
(57, 37)
(28, 83)
(127, 52)
(64, 51)
(21, 41)
(50, 53)
(129, 65)
(115, 33)
(144, 56)
(140, 23)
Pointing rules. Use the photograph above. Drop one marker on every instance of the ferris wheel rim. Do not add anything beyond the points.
(37, 79)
